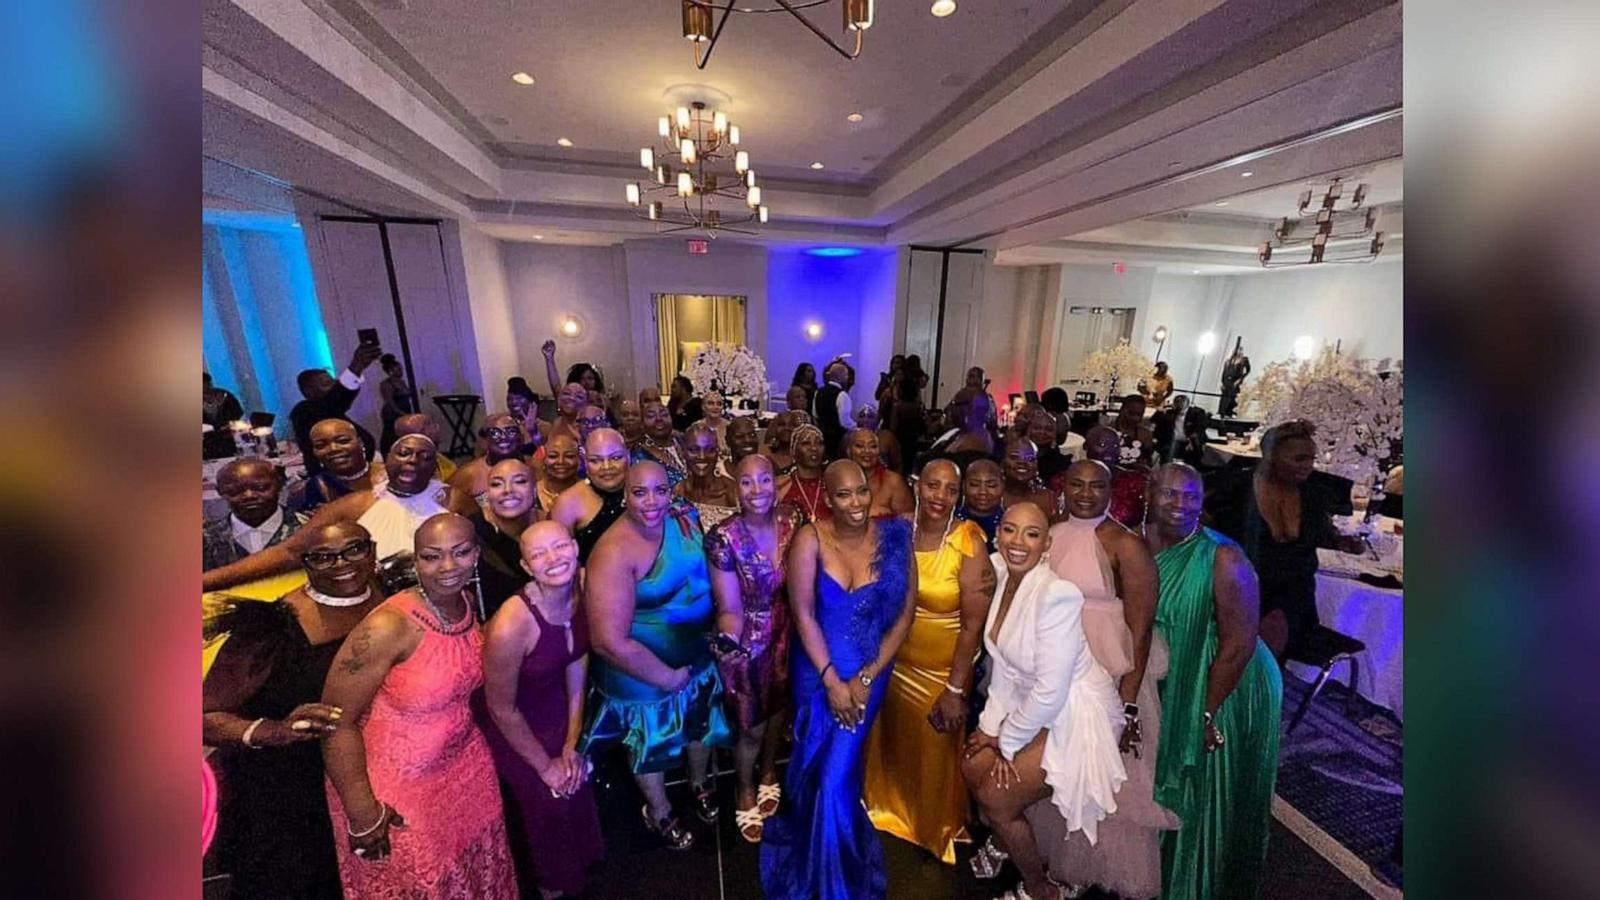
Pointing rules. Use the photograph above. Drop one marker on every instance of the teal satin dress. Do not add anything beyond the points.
(673, 614)
(1223, 799)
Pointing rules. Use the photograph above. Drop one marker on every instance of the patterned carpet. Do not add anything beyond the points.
(1344, 773)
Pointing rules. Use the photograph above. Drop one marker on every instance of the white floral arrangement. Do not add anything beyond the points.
(1120, 364)
(1357, 406)
(732, 370)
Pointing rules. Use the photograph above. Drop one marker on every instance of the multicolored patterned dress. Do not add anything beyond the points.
(755, 682)
(428, 760)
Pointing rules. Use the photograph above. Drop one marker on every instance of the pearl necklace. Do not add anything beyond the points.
(322, 599)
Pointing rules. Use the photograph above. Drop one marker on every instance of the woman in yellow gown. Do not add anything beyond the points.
(914, 789)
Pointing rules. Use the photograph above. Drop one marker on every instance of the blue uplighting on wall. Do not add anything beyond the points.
(835, 251)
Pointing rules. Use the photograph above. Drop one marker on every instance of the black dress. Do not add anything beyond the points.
(1287, 569)
(500, 573)
(273, 832)
(589, 535)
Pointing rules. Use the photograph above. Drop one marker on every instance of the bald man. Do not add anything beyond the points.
(650, 607)
(256, 520)
(630, 421)
(423, 424)
(589, 507)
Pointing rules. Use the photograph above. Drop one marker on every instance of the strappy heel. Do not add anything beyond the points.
(767, 798)
(668, 829)
(988, 860)
(751, 824)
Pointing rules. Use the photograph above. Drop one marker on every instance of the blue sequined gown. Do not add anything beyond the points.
(821, 845)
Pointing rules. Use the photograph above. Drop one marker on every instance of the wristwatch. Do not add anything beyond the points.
(866, 678)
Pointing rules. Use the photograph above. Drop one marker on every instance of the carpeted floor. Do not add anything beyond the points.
(1342, 771)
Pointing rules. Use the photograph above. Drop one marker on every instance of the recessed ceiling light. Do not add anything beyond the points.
(854, 117)
(522, 78)
(942, 8)
(1222, 203)
(564, 142)
(1245, 174)
(538, 237)
(816, 165)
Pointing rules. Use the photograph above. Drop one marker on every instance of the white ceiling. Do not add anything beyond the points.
(1008, 125)
(601, 66)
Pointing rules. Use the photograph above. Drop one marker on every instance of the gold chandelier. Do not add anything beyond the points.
(694, 194)
(698, 28)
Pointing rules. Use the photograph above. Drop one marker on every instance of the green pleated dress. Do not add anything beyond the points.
(1223, 799)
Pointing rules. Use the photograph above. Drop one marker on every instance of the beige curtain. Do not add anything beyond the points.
(667, 337)
(727, 319)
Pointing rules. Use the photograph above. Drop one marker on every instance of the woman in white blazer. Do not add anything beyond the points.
(1047, 729)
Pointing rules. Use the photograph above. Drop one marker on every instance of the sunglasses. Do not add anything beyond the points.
(327, 559)
(503, 434)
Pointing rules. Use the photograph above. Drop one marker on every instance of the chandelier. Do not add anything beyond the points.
(704, 193)
(1339, 230)
(698, 16)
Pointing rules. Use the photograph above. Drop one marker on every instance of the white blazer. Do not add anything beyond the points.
(1043, 676)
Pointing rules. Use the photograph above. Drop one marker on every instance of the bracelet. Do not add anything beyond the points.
(248, 731)
(824, 673)
(959, 692)
(383, 816)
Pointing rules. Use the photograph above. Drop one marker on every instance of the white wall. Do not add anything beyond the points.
(1008, 325)
(1359, 305)
(546, 283)
(882, 322)
(1189, 306)
(665, 267)
(482, 275)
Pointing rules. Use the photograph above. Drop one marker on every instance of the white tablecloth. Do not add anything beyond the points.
(1374, 616)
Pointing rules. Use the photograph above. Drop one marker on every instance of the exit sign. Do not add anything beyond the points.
(699, 247)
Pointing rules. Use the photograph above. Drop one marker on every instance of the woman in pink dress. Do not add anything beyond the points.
(412, 789)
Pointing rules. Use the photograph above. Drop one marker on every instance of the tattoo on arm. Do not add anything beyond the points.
(987, 580)
(360, 646)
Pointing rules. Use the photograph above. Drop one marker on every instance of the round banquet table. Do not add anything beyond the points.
(1376, 617)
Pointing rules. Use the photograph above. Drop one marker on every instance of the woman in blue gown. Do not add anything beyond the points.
(852, 591)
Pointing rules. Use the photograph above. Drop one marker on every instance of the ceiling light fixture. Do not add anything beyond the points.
(942, 8)
(538, 237)
(1245, 174)
(564, 142)
(1332, 228)
(701, 194)
(522, 78)
(703, 21)
(816, 165)
(854, 117)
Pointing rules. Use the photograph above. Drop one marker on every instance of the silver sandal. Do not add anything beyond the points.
(987, 862)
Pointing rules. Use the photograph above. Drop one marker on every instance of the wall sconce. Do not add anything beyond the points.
(1208, 343)
(813, 329)
(570, 326)
(1160, 337)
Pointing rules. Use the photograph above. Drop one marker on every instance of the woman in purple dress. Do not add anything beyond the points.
(535, 664)
(747, 554)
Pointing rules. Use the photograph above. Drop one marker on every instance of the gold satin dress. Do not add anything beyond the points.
(914, 789)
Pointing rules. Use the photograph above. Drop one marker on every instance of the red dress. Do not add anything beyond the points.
(805, 494)
(427, 758)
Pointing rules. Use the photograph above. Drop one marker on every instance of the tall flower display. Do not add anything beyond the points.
(733, 370)
(1357, 406)
(1119, 365)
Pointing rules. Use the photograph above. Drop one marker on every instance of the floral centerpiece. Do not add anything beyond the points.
(1119, 364)
(733, 370)
(1357, 406)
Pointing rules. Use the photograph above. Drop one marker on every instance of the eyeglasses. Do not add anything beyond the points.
(503, 434)
(327, 559)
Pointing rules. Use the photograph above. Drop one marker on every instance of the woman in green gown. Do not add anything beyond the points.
(1221, 700)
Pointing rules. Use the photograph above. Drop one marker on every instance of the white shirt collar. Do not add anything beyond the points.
(256, 539)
